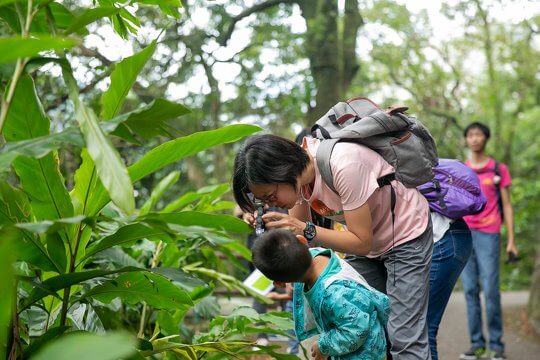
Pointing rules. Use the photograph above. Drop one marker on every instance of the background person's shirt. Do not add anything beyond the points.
(489, 220)
(355, 169)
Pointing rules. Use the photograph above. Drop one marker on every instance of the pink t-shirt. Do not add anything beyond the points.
(355, 169)
(489, 220)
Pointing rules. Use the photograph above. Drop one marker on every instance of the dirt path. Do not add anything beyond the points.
(453, 333)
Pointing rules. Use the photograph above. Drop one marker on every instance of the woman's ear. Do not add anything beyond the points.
(302, 239)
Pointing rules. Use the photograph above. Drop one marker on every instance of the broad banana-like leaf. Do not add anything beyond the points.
(55, 13)
(150, 120)
(194, 218)
(14, 209)
(40, 178)
(38, 147)
(135, 287)
(46, 338)
(172, 151)
(122, 79)
(109, 166)
(89, 16)
(13, 48)
(6, 2)
(86, 346)
(7, 288)
(125, 235)
(159, 190)
(52, 285)
(49, 226)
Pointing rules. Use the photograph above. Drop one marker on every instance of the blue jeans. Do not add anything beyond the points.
(450, 254)
(482, 269)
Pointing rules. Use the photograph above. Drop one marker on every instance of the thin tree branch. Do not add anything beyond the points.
(224, 38)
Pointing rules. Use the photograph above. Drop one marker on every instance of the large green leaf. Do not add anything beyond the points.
(125, 235)
(86, 346)
(40, 178)
(89, 16)
(156, 290)
(52, 285)
(193, 218)
(122, 79)
(205, 194)
(49, 226)
(151, 120)
(38, 147)
(177, 149)
(6, 2)
(14, 209)
(85, 180)
(53, 13)
(172, 151)
(12, 48)
(159, 190)
(109, 166)
(6, 285)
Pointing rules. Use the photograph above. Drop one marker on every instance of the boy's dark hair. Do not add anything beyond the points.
(478, 125)
(266, 159)
(280, 256)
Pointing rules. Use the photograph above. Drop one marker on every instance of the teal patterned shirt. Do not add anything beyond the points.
(348, 314)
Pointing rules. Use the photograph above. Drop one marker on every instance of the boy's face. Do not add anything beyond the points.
(476, 140)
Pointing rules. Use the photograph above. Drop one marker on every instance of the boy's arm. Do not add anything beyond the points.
(350, 324)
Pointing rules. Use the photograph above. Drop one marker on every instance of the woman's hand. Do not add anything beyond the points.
(275, 220)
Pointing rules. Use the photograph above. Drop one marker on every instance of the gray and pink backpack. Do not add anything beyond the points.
(451, 188)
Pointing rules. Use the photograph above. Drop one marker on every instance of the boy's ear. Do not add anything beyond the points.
(302, 239)
(280, 284)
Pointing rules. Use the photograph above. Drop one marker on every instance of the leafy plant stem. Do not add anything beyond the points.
(19, 66)
(155, 261)
(15, 338)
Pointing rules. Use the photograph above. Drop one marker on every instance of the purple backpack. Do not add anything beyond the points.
(454, 191)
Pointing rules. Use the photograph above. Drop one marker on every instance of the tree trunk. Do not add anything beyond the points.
(332, 54)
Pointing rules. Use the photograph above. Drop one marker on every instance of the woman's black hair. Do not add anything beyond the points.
(280, 256)
(266, 159)
(478, 125)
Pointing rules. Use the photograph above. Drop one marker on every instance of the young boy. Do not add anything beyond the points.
(330, 297)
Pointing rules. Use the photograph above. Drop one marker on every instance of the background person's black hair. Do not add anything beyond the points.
(280, 256)
(478, 125)
(266, 159)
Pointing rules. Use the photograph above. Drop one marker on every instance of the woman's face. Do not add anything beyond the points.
(281, 195)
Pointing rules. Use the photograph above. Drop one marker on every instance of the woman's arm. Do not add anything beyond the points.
(356, 240)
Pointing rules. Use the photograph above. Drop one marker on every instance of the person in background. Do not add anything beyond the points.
(330, 297)
(452, 246)
(482, 269)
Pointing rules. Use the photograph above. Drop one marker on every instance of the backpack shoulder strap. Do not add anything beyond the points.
(323, 161)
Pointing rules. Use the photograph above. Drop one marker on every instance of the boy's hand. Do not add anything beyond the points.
(249, 219)
(316, 353)
(273, 295)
